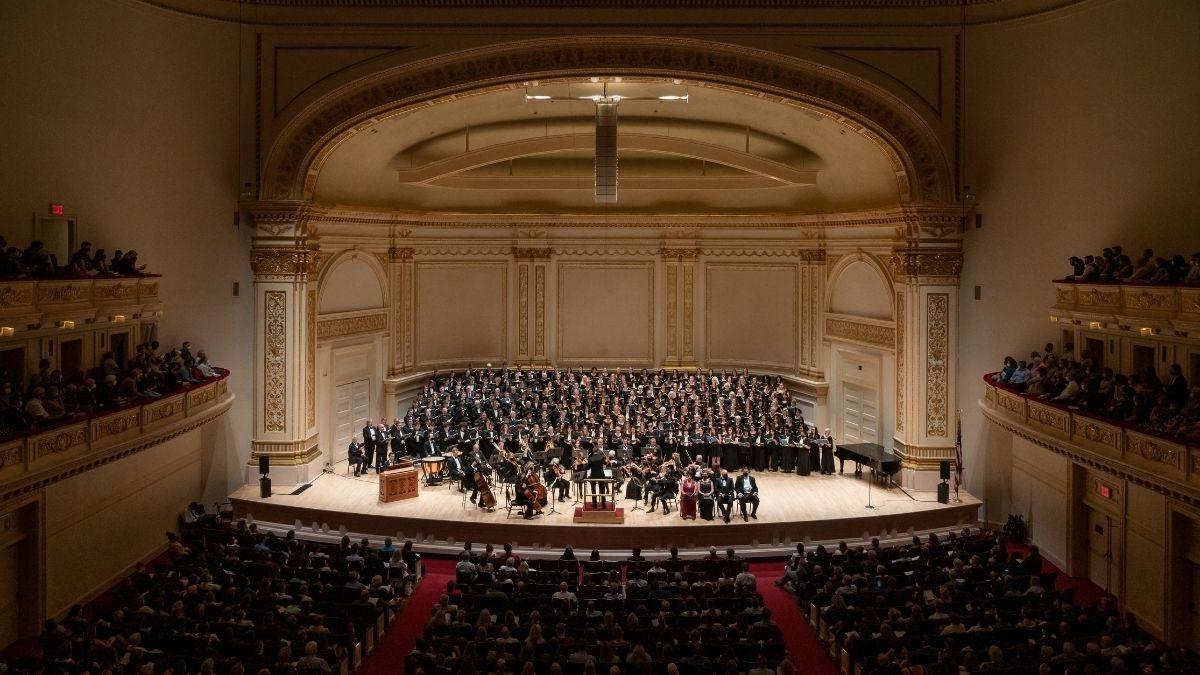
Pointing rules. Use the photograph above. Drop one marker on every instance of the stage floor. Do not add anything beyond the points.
(793, 509)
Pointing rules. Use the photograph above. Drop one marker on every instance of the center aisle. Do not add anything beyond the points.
(389, 655)
(807, 653)
(805, 650)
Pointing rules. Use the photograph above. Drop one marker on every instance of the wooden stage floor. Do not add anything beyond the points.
(793, 509)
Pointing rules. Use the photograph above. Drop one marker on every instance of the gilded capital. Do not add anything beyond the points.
(278, 218)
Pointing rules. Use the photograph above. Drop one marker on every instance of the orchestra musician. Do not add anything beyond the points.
(556, 479)
(747, 493)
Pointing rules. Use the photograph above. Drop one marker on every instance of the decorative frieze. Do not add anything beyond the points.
(926, 264)
(116, 424)
(901, 372)
(328, 329)
(1049, 417)
(872, 334)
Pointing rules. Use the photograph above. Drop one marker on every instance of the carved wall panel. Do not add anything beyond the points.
(275, 361)
(937, 355)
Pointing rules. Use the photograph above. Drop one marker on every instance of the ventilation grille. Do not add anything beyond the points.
(606, 153)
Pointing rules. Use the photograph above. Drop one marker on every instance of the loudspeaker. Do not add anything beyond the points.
(264, 486)
(264, 464)
(944, 467)
(943, 493)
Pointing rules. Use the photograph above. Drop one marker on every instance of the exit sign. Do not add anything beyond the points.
(57, 209)
(1105, 491)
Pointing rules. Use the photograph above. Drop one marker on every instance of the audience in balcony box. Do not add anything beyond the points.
(1114, 266)
(1140, 399)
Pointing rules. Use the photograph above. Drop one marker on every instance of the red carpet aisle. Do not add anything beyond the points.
(806, 651)
(398, 641)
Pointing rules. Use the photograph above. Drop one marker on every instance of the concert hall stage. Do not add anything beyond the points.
(793, 509)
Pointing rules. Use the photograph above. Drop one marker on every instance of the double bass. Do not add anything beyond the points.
(487, 500)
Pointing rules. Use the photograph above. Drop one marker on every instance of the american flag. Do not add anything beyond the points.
(958, 462)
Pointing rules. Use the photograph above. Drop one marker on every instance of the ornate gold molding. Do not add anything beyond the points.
(926, 264)
(293, 262)
(901, 373)
(937, 348)
(274, 360)
(523, 310)
(310, 359)
(525, 253)
(872, 334)
(539, 311)
(340, 327)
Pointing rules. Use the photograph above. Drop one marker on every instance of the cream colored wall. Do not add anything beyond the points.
(90, 535)
(126, 114)
(1144, 589)
(1041, 488)
(1079, 135)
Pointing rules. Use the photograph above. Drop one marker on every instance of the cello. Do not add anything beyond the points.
(535, 491)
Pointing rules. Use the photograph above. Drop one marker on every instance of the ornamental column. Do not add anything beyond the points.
(283, 257)
(679, 268)
(926, 268)
(400, 279)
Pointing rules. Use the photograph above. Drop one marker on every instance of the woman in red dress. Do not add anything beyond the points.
(688, 490)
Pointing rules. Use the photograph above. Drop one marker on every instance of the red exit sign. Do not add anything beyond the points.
(57, 209)
(1105, 491)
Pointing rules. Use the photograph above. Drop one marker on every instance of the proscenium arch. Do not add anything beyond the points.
(923, 173)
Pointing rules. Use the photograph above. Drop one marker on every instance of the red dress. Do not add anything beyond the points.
(687, 498)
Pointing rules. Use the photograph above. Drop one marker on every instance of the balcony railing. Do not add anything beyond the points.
(1130, 306)
(79, 442)
(32, 303)
(1157, 455)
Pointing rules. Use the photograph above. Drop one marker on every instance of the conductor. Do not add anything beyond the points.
(596, 464)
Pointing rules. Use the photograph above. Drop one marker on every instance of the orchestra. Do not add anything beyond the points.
(672, 435)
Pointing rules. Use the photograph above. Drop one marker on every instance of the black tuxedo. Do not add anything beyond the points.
(368, 433)
(596, 470)
(747, 493)
(723, 488)
(355, 457)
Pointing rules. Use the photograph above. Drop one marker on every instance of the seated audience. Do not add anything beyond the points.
(1114, 266)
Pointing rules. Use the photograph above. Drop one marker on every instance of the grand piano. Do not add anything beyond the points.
(871, 455)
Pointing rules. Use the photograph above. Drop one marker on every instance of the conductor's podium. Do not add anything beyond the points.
(593, 490)
(398, 484)
(609, 514)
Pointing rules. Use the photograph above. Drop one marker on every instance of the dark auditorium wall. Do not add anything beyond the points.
(126, 114)
(1080, 134)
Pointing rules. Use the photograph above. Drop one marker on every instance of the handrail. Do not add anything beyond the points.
(1155, 453)
(47, 449)
(1081, 413)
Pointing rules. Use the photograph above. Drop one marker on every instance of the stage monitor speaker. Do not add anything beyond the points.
(944, 467)
(943, 493)
(264, 487)
(264, 464)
